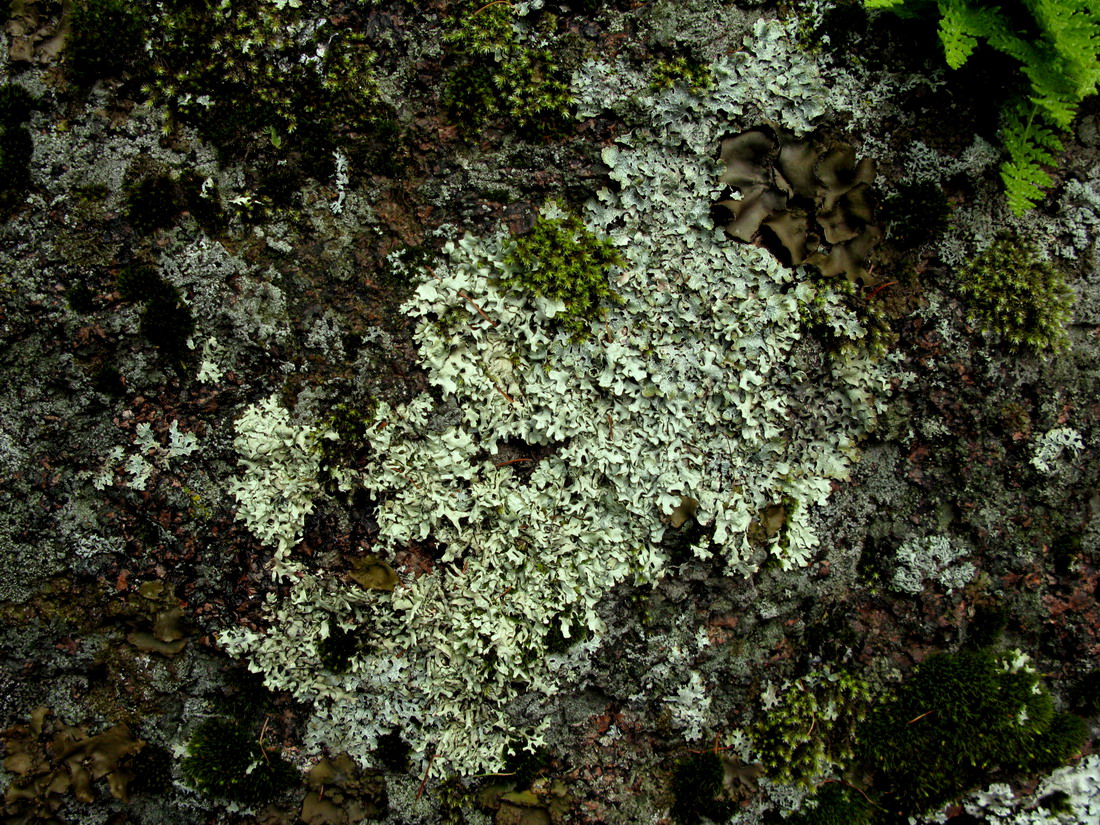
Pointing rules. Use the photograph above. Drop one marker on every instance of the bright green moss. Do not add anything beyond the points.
(496, 77)
(959, 720)
(694, 74)
(811, 727)
(1012, 293)
(225, 759)
(560, 259)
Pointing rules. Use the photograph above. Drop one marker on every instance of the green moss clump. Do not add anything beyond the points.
(497, 77)
(957, 722)
(226, 760)
(811, 728)
(561, 260)
(1012, 293)
(697, 782)
(251, 74)
(834, 804)
(694, 74)
(16, 146)
(107, 38)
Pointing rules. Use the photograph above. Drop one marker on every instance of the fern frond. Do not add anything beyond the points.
(1073, 29)
(962, 23)
(1030, 145)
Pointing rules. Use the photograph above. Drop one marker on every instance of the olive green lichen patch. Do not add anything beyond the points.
(1011, 292)
(51, 760)
(340, 793)
(809, 195)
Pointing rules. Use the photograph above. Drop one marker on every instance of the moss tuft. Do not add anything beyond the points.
(811, 727)
(1012, 293)
(496, 76)
(226, 760)
(834, 804)
(957, 722)
(561, 260)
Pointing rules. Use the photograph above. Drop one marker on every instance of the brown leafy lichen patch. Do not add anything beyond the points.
(51, 760)
(809, 198)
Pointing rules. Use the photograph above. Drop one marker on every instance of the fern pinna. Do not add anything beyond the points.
(1057, 45)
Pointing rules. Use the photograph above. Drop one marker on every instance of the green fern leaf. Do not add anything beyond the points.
(962, 23)
(1029, 145)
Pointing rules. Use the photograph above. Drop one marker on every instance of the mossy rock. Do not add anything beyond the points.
(226, 760)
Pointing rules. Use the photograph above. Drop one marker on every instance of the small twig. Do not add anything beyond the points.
(480, 311)
(917, 719)
(263, 730)
(512, 461)
(494, 3)
(424, 781)
(854, 788)
(506, 395)
(879, 289)
(611, 426)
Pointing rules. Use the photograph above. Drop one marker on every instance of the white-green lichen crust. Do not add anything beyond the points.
(699, 385)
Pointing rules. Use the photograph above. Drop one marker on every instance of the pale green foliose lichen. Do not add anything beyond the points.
(699, 385)
(276, 492)
(932, 558)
